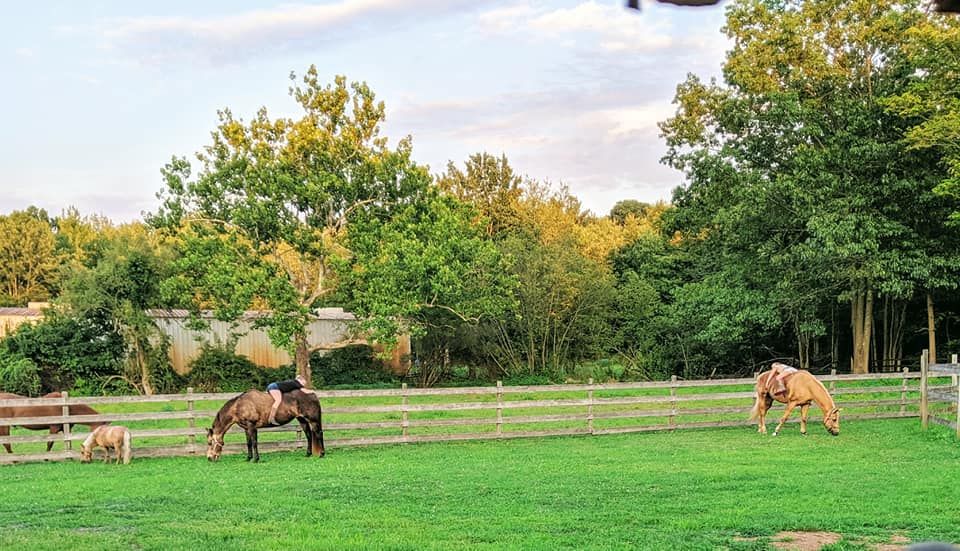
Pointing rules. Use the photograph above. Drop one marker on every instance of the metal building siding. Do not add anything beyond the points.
(186, 344)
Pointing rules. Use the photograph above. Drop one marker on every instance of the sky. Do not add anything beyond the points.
(99, 95)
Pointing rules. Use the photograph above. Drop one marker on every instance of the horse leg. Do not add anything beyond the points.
(5, 431)
(318, 439)
(54, 429)
(803, 418)
(251, 434)
(256, 448)
(786, 415)
(308, 432)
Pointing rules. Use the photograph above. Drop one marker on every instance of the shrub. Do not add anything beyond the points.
(218, 369)
(18, 374)
(353, 365)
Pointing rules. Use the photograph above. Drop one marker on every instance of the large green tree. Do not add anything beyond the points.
(795, 168)
(282, 210)
(28, 260)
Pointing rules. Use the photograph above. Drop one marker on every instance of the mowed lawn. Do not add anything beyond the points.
(697, 489)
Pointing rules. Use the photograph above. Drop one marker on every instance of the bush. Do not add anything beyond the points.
(18, 374)
(353, 365)
(217, 369)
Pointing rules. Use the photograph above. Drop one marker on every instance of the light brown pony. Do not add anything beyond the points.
(114, 438)
(53, 410)
(802, 389)
(251, 410)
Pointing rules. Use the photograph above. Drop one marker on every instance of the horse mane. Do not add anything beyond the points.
(217, 421)
(826, 393)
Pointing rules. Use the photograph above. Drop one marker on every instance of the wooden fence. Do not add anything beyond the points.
(946, 397)
(407, 415)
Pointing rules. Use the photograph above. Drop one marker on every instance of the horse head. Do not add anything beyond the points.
(214, 445)
(831, 421)
(86, 454)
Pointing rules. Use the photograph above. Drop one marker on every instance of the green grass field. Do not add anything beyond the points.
(697, 489)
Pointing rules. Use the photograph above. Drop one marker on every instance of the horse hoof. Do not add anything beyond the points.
(775, 434)
(803, 434)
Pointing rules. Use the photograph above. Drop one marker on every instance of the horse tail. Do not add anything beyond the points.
(127, 451)
(755, 412)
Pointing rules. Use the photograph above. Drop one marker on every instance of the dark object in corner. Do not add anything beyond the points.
(635, 4)
(947, 6)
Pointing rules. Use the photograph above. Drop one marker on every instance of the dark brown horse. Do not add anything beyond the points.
(251, 411)
(802, 389)
(53, 410)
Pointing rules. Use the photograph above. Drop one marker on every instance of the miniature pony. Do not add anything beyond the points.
(113, 437)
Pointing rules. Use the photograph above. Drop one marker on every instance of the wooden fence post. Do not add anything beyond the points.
(499, 408)
(924, 414)
(903, 392)
(404, 414)
(191, 422)
(833, 383)
(958, 411)
(590, 405)
(672, 420)
(66, 424)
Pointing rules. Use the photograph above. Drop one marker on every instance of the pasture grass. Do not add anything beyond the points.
(695, 489)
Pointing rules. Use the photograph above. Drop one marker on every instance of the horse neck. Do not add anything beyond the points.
(822, 397)
(222, 423)
(89, 441)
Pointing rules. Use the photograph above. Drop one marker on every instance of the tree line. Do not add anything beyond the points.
(817, 223)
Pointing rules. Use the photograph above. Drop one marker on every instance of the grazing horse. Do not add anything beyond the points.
(114, 438)
(251, 410)
(42, 411)
(802, 389)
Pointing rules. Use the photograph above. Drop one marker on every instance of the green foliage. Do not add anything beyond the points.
(624, 208)
(69, 348)
(350, 366)
(564, 306)
(121, 286)
(219, 369)
(18, 375)
(27, 257)
(430, 256)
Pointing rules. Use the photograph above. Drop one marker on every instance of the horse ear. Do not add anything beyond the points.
(209, 432)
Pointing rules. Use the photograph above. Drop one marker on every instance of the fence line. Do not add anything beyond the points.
(949, 394)
(682, 405)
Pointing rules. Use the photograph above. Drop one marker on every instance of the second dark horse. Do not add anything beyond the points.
(251, 411)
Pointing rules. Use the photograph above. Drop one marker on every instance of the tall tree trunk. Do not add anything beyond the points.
(302, 358)
(861, 314)
(141, 359)
(931, 329)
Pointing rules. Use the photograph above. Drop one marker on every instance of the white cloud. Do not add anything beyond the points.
(603, 143)
(233, 37)
(609, 26)
(23, 52)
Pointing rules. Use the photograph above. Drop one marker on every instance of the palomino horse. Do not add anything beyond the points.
(802, 389)
(114, 438)
(42, 411)
(251, 410)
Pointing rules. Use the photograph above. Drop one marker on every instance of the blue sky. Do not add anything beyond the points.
(98, 95)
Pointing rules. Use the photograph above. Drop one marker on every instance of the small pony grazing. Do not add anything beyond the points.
(114, 438)
(251, 410)
(53, 410)
(802, 389)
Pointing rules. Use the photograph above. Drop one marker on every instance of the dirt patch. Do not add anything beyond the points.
(898, 542)
(804, 541)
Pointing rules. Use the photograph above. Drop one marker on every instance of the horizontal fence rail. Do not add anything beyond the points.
(410, 415)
